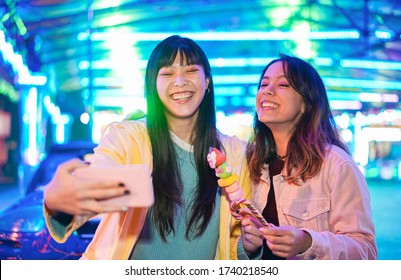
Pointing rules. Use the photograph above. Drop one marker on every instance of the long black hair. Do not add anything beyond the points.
(166, 179)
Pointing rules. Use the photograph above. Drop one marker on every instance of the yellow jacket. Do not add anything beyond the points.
(127, 142)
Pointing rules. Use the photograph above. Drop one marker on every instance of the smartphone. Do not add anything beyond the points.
(136, 177)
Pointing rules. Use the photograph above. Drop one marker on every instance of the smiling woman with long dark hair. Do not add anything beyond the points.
(190, 218)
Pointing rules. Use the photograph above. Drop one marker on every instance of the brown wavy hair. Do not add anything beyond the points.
(315, 129)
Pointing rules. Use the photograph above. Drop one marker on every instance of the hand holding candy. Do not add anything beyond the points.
(235, 205)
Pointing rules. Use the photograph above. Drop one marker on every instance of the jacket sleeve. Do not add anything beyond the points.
(352, 234)
(112, 150)
(236, 153)
(61, 225)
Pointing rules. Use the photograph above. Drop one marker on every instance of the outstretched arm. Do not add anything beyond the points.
(71, 195)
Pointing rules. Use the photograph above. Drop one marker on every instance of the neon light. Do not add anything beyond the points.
(8, 90)
(276, 35)
(323, 61)
(345, 104)
(370, 64)
(17, 63)
(236, 124)
(31, 109)
(240, 62)
(384, 34)
(100, 120)
(347, 135)
(229, 91)
(359, 83)
(129, 103)
(399, 170)
(60, 133)
(84, 118)
(221, 101)
(214, 62)
(378, 97)
(343, 120)
(236, 101)
(390, 134)
(28, 79)
(236, 79)
(390, 98)
(359, 150)
(249, 101)
(61, 121)
(340, 95)
(105, 64)
(253, 89)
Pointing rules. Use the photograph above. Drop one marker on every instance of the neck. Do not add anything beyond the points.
(183, 129)
(281, 146)
(282, 135)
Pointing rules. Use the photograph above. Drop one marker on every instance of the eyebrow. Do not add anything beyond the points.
(176, 65)
(267, 77)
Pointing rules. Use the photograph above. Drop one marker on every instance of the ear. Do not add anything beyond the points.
(207, 82)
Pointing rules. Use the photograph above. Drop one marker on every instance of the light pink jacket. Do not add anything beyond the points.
(334, 207)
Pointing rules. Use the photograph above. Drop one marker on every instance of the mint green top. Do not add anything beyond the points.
(150, 246)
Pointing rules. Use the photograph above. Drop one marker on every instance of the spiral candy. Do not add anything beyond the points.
(235, 205)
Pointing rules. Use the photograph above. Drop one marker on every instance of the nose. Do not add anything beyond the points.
(266, 90)
(180, 80)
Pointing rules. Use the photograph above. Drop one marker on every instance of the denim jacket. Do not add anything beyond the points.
(333, 207)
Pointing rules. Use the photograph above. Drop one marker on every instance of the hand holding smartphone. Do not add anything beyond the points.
(136, 177)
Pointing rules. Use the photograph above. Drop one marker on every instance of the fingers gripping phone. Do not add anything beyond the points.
(136, 177)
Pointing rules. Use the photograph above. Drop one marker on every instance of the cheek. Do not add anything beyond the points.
(301, 105)
(297, 102)
(160, 87)
(296, 109)
(257, 99)
(201, 81)
(202, 85)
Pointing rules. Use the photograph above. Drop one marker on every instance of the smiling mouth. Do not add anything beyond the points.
(269, 105)
(181, 95)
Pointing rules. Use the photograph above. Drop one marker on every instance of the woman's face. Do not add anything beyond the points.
(181, 89)
(278, 105)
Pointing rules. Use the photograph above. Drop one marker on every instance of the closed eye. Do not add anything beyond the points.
(192, 69)
(165, 74)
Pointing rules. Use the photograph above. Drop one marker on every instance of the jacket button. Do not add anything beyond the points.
(305, 213)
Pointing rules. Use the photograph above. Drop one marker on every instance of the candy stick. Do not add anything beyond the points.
(229, 182)
(235, 205)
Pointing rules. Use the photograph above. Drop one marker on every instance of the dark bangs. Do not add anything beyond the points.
(189, 55)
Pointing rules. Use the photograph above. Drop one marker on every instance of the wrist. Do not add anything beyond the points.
(306, 241)
(255, 254)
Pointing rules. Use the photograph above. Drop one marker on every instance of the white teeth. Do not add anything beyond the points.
(269, 105)
(181, 96)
